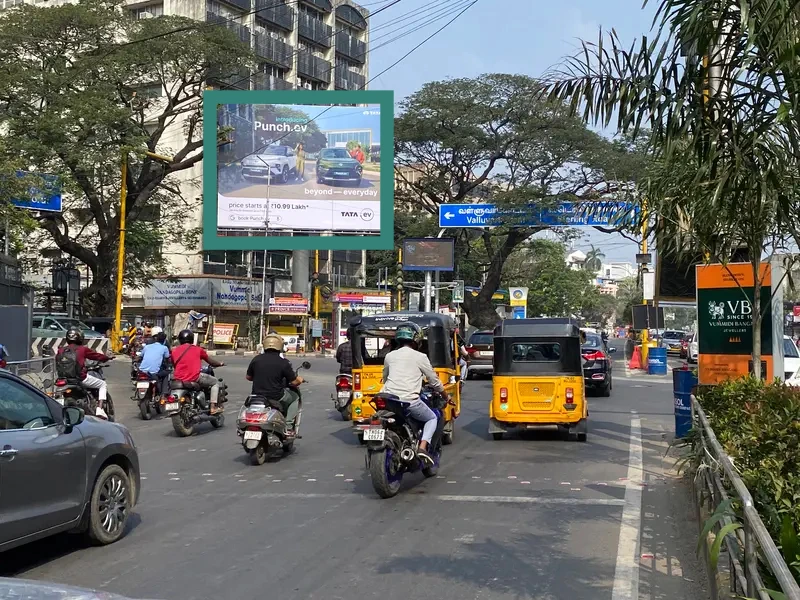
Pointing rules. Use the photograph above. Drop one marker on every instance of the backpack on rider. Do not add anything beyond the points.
(67, 365)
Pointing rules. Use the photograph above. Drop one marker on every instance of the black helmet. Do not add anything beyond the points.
(75, 335)
(186, 337)
(161, 337)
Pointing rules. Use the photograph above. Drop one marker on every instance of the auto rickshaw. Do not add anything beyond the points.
(538, 378)
(372, 337)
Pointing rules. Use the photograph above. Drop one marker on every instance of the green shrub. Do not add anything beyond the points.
(758, 425)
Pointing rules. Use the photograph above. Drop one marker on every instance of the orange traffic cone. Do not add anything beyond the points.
(636, 359)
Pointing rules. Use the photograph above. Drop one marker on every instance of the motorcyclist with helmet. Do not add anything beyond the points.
(273, 378)
(155, 361)
(187, 360)
(71, 364)
(403, 372)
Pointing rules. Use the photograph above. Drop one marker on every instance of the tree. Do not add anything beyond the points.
(493, 139)
(725, 134)
(598, 307)
(594, 260)
(628, 293)
(88, 84)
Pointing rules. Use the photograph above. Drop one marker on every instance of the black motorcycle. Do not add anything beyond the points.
(393, 437)
(189, 405)
(148, 395)
(70, 392)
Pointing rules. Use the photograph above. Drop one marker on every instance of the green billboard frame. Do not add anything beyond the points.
(212, 99)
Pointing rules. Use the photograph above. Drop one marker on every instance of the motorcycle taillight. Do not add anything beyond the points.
(143, 376)
(61, 382)
(255, 416)
(343, 383)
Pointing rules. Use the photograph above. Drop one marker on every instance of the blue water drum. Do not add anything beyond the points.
(657, 361)
(683, 381)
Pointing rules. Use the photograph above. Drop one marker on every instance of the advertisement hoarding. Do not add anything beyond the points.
(305, 165)
(291, 305)
(429, 254)
(203, 293)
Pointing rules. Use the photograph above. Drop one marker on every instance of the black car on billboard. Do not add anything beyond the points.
(480, 350)
(597, 365)
(336, 165)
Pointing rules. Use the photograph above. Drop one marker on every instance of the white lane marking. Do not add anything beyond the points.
(174, 478)
(465, 539)
(626, 573)
(206, 474)
(340, 474)
(310, 479)
(437, 497)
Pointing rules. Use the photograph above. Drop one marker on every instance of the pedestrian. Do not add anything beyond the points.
(344, 355)
(358, 154)
(301, 161)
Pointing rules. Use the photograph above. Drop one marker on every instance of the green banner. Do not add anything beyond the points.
(725, 321)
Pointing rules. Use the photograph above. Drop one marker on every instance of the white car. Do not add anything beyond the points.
(791, 357)
(273, 161)
(693, 350)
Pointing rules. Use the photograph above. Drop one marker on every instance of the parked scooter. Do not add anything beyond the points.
(263, 427)
(189, 405)
(343, 397)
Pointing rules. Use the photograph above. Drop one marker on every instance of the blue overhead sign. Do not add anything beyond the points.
(565, 214)
(48, 198)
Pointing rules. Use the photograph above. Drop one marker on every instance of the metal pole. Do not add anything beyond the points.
(399, 291)
(317, 294)
(645, 332)
(436, 293)
(428, 279)
(264, 271)
(123, 196)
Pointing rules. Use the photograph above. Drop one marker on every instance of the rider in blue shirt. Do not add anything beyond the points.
(155, 357)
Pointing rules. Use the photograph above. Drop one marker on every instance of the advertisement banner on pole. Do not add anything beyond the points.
(725, 326)
(518, 296)
(458, 292)
(288, 306)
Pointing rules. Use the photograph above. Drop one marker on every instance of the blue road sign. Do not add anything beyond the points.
(566, 214)
(47, 199)
(518, 312)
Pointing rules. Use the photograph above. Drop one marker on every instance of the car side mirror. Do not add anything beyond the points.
(306, 365)
(54, 327)
(73, 416)
(611, 350)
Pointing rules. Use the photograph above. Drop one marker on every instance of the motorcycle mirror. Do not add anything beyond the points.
(306, 365)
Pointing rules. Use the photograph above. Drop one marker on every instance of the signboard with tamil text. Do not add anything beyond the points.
(203, 293)
(566, 214)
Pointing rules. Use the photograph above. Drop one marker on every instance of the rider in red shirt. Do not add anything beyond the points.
(188, 362)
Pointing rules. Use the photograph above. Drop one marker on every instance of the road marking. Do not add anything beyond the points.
(438, 497)
(626, 573)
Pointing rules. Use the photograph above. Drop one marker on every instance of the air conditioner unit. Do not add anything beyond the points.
(307, 86)
(146, 15)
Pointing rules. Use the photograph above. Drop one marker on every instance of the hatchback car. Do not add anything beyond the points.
(597, 365)
(693, 349)
(61, 470)
(672, 341)
(480, 350)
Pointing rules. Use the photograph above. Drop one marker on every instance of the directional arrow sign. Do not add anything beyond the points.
(565, 214)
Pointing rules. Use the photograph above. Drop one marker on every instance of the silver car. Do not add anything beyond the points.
(38, 590)
(61, 470)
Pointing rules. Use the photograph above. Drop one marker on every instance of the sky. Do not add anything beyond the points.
(497, 36)
(345, 117)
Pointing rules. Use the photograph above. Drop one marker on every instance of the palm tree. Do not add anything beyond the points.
(594, 260)
(719, 88)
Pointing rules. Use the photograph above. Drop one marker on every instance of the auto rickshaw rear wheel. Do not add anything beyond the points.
(497, 437)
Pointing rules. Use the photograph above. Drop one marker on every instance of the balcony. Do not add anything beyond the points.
(242, 32)
(265, 81)
(277, 14)
(243, 4)
(323, 5)
(351, 16)
(273, 50)
(350, 47)
(239, 80)
(313, 67)
(315, 31)
(349, 80)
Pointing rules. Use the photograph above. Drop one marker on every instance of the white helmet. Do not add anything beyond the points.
(156, 330)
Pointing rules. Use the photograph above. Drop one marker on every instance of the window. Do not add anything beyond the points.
(790, 350)
(214, 256)
(536, 352)
(21, 408)
(328, 153)
(593, 341)
(481, 339)
(153, 90)
(146, 12)
(37, 322)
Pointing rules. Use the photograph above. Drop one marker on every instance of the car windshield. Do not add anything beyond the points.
(790, 350)
(69, 323)
(673, 335)
(275, 151)
(481, 339)
(334, 153)
(592, 341)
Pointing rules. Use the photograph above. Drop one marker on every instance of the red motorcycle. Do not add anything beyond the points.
(147, 396)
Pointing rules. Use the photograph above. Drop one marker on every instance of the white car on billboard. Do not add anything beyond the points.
(273, 161)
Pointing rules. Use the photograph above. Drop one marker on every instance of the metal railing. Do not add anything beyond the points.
(40, 372)
(273, 49)
(716, 479)
(313, 67)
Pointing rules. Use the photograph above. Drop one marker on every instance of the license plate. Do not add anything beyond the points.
(344, 395)
(376, 434)
(172, 406)
(252, 435)
(142, 385)
(257, 170)
(342, 173)
(485, 354)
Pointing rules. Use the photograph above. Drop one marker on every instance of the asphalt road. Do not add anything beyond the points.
(526, 517)
(307, 189)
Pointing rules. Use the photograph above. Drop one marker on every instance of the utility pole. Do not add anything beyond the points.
(645, 332)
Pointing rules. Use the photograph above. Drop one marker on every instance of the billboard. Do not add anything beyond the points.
(302, 175)
(204, 293)
(429, 254)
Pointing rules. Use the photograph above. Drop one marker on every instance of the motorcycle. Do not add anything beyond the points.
(188, 405)
(136, 360)
(148, 396)
(343, 397)
(263, 428)
(70, 392)
(392, 441)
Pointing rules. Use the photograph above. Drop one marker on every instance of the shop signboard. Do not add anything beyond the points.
(203, 293)
(519, 296)
(358, 298)
(225, 334)
(291, 305)
(724, 321)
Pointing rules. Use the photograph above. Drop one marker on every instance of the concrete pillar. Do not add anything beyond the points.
(301, 276)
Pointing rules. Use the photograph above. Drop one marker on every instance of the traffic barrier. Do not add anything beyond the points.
(38, 346)
(657, 361)
(39, 372)
(636, 358)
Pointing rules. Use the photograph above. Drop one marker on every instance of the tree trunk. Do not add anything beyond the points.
(757, 320)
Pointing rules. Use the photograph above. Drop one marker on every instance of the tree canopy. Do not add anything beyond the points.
(88, 84)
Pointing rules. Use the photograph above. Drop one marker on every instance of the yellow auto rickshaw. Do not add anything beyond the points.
(538, 378)
(372, 337)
